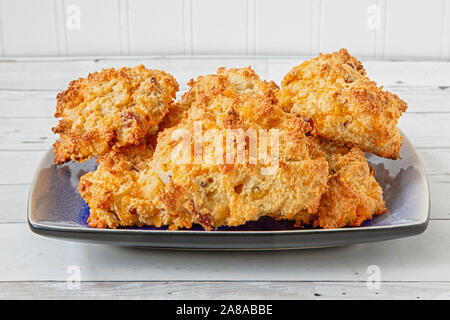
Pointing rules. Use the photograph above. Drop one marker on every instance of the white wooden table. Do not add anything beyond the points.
(37, 267)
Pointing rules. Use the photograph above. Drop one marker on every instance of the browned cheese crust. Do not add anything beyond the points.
(353, 195)
(111, 191)
(179, 193)
(344, 105)
(110, 109)
(233, 194)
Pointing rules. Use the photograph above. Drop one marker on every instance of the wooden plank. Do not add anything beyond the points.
(427, 130)
(13, 203)
(18, 167)
(27, 104)
(413, 73)
(388, 290)
(440, 204)
(27, 134)
(32, 104)
(161, 290)
(386, 73)
(28, 257)
(55, 75)
(424, 130)
(423, 98)
(436, 163)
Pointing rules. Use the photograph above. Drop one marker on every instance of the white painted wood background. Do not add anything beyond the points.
(36, 267)
(380, 29)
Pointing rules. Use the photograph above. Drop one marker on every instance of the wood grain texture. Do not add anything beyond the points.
(13, 203)
(27, 104)
(20, 74)
(160, 290)
(41, 104)
(422, 99)
(27, 134)
(436, 163)
(427, 130)
(386, 73)
(18, 167)
(420, 258)
(20, 133)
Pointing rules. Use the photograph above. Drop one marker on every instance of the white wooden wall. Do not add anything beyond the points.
(382, 29)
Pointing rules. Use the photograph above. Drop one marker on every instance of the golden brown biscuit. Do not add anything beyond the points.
(110, 109)
(353, 195)
(232, 194)
(233, 81)
(343, 104)
(111, 191)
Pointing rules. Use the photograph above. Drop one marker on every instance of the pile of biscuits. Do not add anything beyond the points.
(233, 148)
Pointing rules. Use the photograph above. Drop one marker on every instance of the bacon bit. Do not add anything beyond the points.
(232, 120)
(313, 132)
(129, 117)
(204, 219)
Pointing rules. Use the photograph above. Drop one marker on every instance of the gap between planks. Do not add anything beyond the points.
(57, 73)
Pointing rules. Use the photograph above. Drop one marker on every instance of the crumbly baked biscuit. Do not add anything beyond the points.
(344, 106)
(110, 109)
(353, 195)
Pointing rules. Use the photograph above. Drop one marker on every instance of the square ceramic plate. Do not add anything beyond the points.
(55, 209)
